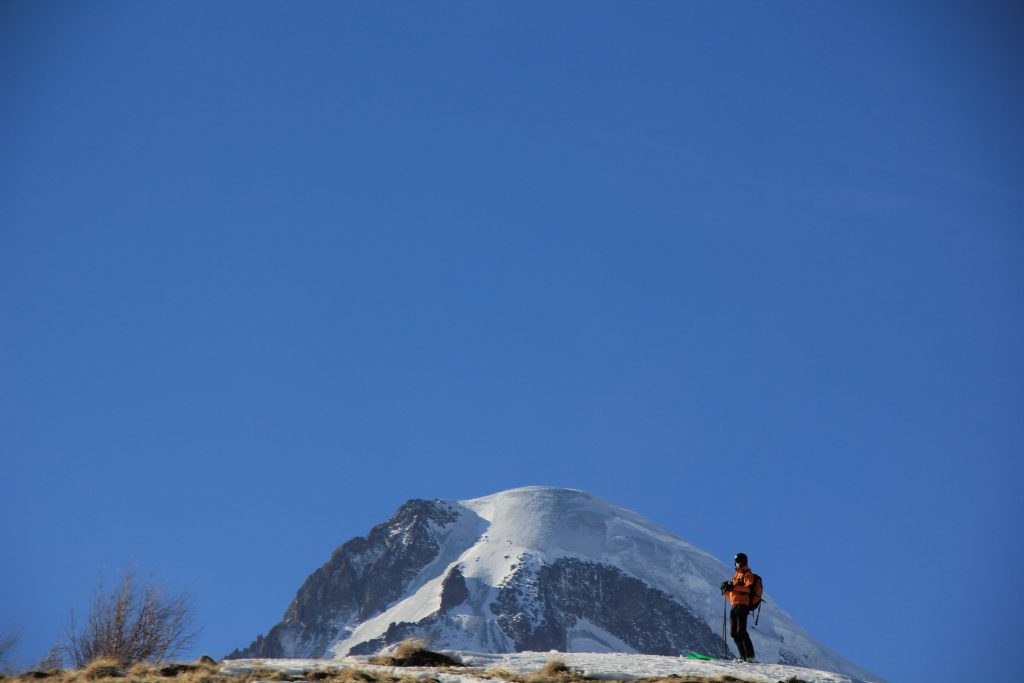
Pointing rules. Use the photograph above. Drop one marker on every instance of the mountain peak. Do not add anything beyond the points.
(532, 568)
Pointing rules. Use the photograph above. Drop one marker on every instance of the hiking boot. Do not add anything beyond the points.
(750, 660)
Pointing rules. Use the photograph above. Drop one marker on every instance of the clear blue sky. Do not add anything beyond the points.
(268, 270)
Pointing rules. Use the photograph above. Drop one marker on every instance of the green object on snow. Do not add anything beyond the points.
(697, 655)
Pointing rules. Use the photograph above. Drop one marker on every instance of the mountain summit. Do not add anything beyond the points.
(534, 568)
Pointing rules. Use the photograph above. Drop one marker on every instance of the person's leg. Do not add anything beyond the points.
(738, 628)
(748, 644)
(739, 631)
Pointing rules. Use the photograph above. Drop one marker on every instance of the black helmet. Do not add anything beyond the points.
(740, 559)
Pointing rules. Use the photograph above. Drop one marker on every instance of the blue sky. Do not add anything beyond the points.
(268, 270)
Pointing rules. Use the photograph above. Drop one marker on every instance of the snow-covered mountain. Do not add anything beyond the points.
(530, 569)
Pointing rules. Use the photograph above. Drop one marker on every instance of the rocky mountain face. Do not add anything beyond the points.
(362, 578)
(532, 569)
(539, 608)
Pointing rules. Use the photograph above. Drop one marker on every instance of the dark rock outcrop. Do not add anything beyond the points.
(538, 607)
(453, 589)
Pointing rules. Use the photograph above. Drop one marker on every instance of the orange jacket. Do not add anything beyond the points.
(743, 585)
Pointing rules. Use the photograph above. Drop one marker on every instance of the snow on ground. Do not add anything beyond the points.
(604, 666)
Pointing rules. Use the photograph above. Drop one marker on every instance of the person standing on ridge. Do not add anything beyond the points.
(738, 590)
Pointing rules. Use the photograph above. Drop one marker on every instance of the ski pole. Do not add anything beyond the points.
(725, 601)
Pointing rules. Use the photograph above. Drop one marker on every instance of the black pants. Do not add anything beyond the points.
(738, 630)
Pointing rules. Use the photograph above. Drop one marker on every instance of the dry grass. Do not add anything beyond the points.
(200, 673)
(207, 671)
(414, 652)
(410, 647)
(503, 675)
(555, 671)
(105, 667)
(111, 670)
(354, 676)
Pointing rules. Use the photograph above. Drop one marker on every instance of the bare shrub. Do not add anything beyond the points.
(8, 641)
(53, 660)
(132, 623)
